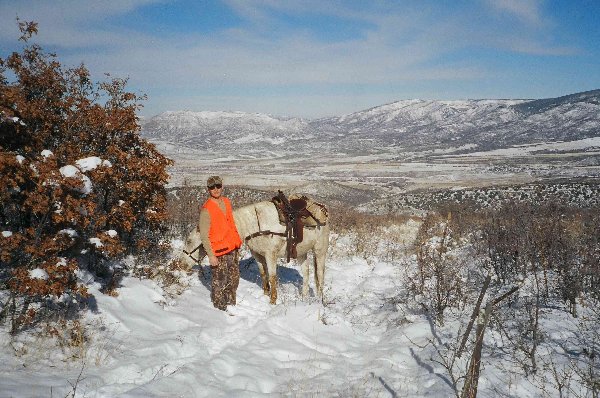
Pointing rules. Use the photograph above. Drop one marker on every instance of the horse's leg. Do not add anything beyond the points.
(319, 266)
(320, 253)
(272, 269)
(305, 275)
(260, 260)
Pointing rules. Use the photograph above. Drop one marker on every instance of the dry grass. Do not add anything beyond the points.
(387, 237)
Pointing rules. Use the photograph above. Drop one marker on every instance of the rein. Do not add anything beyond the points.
(196, 260)
(192, 252)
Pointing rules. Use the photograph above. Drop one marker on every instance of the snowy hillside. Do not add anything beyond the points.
(485, 124)
(405, 145)
(399, 127)
(368, 338)
(149, 346)
(214, 129)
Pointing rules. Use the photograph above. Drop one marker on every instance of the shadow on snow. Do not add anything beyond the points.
(286, 274)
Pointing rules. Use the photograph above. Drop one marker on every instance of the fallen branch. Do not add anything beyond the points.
(472, 380)
(476, 309)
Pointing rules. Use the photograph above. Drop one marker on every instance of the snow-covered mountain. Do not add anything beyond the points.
(214, 129)
(403, 126)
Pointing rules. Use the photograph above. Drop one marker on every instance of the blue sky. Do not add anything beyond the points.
(315, 58)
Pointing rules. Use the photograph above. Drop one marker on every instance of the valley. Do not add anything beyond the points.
(399, 148)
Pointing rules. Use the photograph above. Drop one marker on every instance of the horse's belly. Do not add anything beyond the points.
(305, 246)
(267, 244)
(276, 245)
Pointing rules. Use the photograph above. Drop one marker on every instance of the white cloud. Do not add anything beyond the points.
(68, 23)
(528, 11)
(524, 45)
(70, 11)
(394, 44)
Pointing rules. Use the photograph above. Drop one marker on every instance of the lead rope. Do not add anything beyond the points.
(257, 219)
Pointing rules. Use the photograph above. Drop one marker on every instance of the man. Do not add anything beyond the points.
(221, 240)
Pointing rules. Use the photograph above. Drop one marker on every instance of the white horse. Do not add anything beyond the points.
(253, 222)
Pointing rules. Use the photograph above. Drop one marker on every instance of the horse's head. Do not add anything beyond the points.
(192, 252)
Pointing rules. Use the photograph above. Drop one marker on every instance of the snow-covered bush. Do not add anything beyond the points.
(371, 236)
(441, 277)
(183, 208)
(538, 266)
(80, 187)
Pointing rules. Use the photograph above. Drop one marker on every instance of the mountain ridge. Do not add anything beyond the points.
(398, 127)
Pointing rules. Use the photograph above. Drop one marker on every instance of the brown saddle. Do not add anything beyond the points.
(294, 213)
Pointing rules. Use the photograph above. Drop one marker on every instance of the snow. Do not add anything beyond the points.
(87, 185)
(88, 163)
(146, 342)
(521, 150)
(15, 119)
(248, 138)
(360, 341)
(71, 171)
(161, 347)
(92, 162)
(47, 153)
(68, 231)
(38, 273)
(96, 242)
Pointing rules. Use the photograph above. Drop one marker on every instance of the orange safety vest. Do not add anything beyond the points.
(222, 233)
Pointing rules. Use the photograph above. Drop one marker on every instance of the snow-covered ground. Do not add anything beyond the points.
(360, 342)
(437, 168)
(587, 145)
(145, 345)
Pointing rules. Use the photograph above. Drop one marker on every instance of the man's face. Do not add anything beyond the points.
(215, 190)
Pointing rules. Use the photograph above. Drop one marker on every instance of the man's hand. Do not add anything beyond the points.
(213, 260)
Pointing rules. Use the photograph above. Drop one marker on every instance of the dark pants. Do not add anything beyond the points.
(225, 280)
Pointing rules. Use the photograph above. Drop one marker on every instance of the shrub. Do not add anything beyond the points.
(80, 187)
